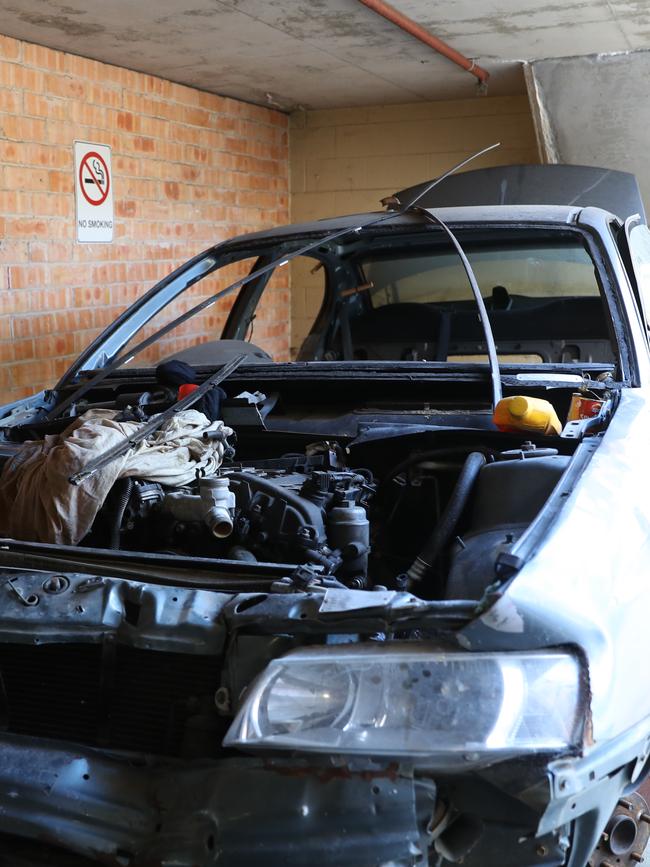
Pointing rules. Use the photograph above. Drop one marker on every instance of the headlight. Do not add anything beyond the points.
(412, 701)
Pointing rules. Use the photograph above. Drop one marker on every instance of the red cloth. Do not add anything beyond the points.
(185, 389)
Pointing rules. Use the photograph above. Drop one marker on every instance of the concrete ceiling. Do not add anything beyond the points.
(327, 53)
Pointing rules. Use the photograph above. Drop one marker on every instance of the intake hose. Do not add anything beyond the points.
(422, 566)
(124, 487)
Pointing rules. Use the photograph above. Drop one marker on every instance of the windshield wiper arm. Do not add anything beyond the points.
(156, 422)
(85, 387)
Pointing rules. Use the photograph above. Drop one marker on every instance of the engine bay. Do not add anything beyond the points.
(430, 514)
(425, 499)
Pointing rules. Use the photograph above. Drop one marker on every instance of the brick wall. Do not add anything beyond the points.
(189, 169)
(346, 160)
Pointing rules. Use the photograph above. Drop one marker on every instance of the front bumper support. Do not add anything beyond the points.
(234, 811)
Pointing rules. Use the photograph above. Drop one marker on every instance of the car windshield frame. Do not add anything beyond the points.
(265, 247)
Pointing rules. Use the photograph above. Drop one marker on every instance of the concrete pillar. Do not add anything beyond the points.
(594, 110)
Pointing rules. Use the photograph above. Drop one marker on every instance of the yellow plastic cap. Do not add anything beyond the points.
(518, 406)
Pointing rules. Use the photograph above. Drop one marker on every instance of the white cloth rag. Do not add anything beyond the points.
(39, 504)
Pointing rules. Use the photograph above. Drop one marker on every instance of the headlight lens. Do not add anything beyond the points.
(412, 701)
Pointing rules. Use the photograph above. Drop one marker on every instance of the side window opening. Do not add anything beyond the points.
(203, 327)
(308, 284)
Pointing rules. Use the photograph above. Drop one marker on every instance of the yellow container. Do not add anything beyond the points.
(531, 414)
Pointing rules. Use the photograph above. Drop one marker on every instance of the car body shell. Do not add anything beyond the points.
(582, 581)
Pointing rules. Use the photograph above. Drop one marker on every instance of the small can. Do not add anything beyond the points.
(583, 407)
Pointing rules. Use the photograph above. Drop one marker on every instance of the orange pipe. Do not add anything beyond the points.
(391, 14)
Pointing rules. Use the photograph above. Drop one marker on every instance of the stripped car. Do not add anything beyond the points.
(379, 628)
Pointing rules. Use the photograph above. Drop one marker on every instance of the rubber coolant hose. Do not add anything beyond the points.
(423, 564)
(124, 493)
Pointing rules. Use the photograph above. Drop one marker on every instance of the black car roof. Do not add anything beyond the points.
(552, 214)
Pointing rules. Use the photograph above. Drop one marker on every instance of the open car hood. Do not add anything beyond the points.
(586, 186)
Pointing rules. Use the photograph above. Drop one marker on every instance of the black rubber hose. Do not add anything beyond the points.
(423, 565)
(432, 454)
(124, 487)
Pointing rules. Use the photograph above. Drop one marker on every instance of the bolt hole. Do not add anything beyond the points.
(375, 790)
(174, 598)
(86, 776)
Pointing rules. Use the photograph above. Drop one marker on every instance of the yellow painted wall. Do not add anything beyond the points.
(346, 160)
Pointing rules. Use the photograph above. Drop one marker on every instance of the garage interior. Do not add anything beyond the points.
(190, 122)
(227, 117)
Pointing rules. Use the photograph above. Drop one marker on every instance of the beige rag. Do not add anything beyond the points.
(38, 503)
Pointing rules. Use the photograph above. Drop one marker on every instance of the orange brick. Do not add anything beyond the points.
(24, 349)
(152, 126)
(10, 151)
(68, 86)
(18, 177)
(108, 96)
(26, 276)
(126, 165)
(45, 58)
(10, 100)
(90, 298)
(9, 48)
(61, 182)
(125, 120)
(25, 78)
(23, 129)
(26, 373)
(196, 116)
(48, 251)
(84, 114)
(18, 227)
(62, 132)
(52, 205)
(56, 345)
(147, 145)
(126, 208)
(172, 190)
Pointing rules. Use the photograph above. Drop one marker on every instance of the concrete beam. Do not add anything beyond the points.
(594, 111)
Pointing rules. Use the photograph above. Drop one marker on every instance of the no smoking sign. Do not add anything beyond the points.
(93, 192)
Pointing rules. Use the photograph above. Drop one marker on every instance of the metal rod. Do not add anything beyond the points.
(156, 422)
(495, 373)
